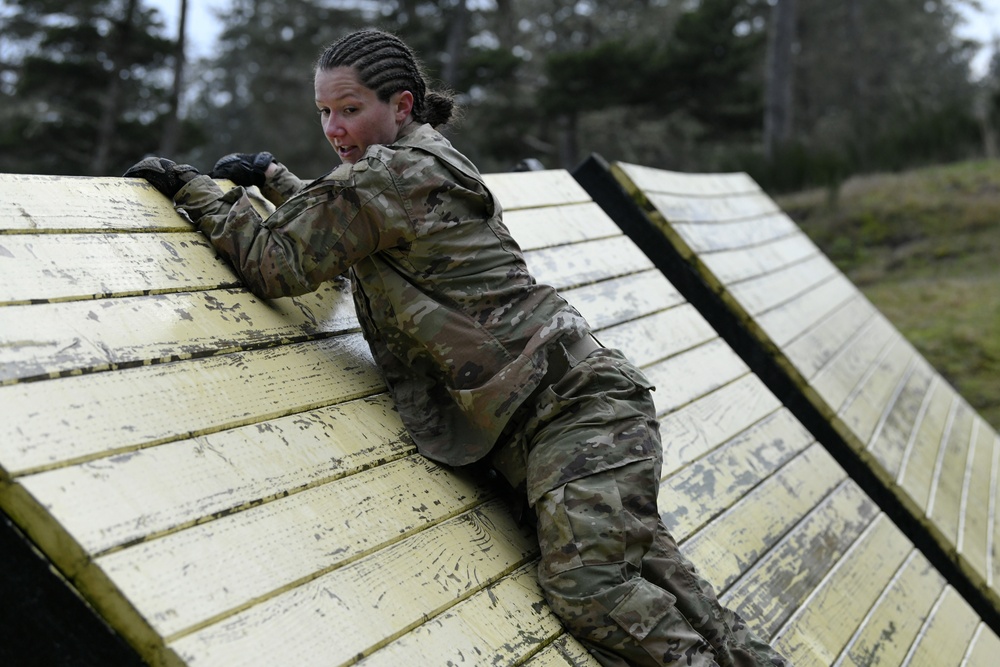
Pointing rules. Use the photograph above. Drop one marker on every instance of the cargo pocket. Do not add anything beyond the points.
(643, 609)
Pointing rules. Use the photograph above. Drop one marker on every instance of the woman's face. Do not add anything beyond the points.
(353, 117)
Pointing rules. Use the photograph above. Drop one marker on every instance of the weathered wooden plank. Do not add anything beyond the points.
(888, 444)
(625, 298)
(979, 498)
(787, 575)
(349, 612)
(946, 637)
(187, 578)
(718, 236)
(732, 266)
(121, 500)
(847, 594)
(563, 652)
(517, 190)
(71, 419)
(55, 339)
(893, 625)
(704, 368)
(659, 336)
(867, 404)
(770, 290)
(738, 538)
(814, 348)
(585, 263)
(950, 475)
(64, 267)
(499, 625)
(984, 649)
(836, 381)
(697, 494)
(52, 204)
(682, 208)
(788, 321)
(917, 469)
(535, 228)
(651, 179)
(700, 426)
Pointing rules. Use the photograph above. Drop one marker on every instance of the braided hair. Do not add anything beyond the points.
(386, 65)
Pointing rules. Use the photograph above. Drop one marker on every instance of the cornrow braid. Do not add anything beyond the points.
(386, 65)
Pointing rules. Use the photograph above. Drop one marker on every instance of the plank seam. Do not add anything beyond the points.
(871, 612)
(872, 369)
(939, 459)
(963, 504)
(917, 423)
(891, 403)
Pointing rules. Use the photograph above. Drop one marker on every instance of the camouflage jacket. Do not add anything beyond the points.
(457, 325)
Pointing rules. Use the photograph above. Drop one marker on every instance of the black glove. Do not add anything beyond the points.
(243, 168)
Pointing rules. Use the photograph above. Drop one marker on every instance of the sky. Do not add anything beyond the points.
(203, 27)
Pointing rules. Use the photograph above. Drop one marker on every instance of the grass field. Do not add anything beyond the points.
(924, 246)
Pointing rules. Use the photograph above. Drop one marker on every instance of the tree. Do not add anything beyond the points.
(83, 93)
(779, 78)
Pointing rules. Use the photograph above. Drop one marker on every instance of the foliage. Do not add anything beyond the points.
(58, 69)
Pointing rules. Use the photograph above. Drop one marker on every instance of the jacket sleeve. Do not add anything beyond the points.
(281, 185)
(318, 234)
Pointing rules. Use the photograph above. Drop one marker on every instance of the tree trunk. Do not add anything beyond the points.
(109, 112)
(457, 31)
(779, 77)
(172, 124)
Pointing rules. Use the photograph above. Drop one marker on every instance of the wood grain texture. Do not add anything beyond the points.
(899, 415)
(226, 481)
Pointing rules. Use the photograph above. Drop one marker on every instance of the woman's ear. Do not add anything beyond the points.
(403, 101)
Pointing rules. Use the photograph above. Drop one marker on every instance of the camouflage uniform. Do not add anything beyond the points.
(474, 352)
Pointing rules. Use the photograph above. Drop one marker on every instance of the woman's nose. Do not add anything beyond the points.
(333, 128)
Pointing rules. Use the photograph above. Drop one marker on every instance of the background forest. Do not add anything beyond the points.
(862, 116)
(796, 92)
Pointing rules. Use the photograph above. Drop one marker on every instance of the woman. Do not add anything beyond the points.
(484, 364)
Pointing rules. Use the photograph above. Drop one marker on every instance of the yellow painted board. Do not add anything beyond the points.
(500, 625)
(893, 626)
(946, 637)
(979, 500)
(63, 267)
(788, 574)
(54, 339)
(627, 297)
(40, 204)
(704, 369)
(845, 372)
(531, 189)
(71, 419)
(660, 335)
(187, 578)
(585, 263)
(872, 398)
(738, 538)
(713, 210)
(563, 652)
(814, 348)
(916, 471)
(984, 649)
(535, 228)
(732, 266)
(661, 180)
(951, 471)
(887, 445)
(699, 427)
(700, 492)
(120, 500)
(355, 609)
(767, 291)
(735, 234)
(817, 633)
(790, 320)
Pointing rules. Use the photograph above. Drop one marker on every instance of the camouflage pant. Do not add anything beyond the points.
(609, 568)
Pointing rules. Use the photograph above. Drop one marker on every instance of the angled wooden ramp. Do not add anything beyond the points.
(225, 481)
(936, 459)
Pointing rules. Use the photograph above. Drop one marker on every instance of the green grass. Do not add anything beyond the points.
(924, 247)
